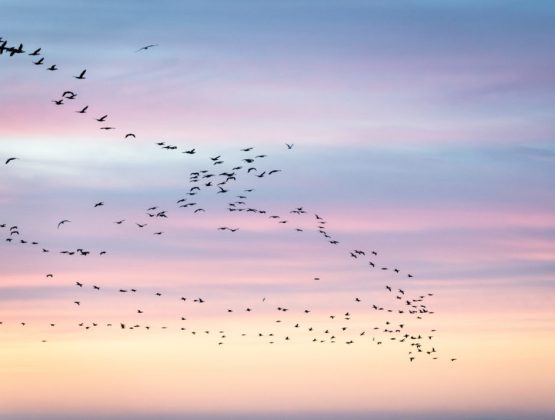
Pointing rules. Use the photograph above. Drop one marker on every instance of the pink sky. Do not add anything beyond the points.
(421, 131)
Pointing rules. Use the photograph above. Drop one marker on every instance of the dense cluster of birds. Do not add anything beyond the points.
(224, 182)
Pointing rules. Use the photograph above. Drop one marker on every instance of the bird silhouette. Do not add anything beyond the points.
(63, 222)
(146, 47)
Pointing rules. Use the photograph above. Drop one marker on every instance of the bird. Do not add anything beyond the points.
(58, 102)
(146, 47)
(81, 76)
(10, 160)
(130, 135)
(289, 146)
(63, 222)
(102, 119)
(52, 67)
(83, 110)
(39, 62)
(36, 52)
(100, 203)
(18, 50)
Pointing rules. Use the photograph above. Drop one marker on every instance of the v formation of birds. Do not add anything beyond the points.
(404, 308)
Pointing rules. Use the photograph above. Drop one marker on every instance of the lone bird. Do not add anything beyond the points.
(82, 75)
(63, 222)
(146, 47)
(10, 159)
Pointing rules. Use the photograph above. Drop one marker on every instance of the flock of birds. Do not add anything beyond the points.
(226, 183)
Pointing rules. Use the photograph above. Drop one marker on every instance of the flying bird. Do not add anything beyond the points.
(82, 75)
(10, 159)
(63, 222)
(146, 47)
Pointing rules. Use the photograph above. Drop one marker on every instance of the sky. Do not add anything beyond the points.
(421, 130)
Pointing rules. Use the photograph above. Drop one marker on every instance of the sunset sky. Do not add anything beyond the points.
(422, 130)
